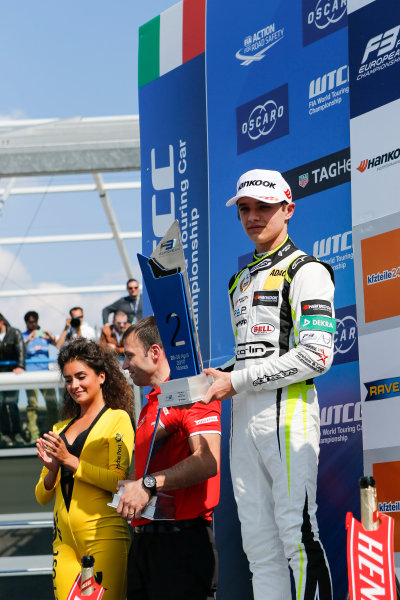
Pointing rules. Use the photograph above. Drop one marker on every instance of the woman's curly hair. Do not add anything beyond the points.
(117, 393)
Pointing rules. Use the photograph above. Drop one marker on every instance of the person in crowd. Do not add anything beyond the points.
(131, 304)
(283, 319)
(12, 359)
(172, 560)
(83, 458)
(37, 342)
(111, 333)
(75, 326)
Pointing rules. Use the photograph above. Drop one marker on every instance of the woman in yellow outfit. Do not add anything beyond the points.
(83, 458)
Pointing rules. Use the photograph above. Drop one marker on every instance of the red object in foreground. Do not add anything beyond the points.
(75, 593)
(370, 562)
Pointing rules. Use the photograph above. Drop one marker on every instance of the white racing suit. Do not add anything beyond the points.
(283, 318)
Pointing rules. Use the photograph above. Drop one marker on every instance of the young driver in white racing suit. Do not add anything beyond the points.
(283, 319)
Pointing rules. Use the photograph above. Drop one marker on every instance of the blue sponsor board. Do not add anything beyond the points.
(263, 119)
(374, 51)
(346, 336)
(322, 17)
(259, 51)
(383, 388)
(173, 144)
(341, 464)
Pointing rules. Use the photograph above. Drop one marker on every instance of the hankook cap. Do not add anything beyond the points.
(261, 184)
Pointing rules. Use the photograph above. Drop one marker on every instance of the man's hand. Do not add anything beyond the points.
(18, 370)
(133, 500)
(222, 387)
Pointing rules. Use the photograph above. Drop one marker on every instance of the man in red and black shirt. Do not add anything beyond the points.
(172, 560)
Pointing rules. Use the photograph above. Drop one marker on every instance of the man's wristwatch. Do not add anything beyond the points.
(149, 483)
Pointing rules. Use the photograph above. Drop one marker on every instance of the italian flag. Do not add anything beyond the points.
(171, 39)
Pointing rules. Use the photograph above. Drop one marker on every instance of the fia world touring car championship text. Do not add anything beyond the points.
(189, 224)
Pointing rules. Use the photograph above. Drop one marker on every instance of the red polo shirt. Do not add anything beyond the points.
(180, 423)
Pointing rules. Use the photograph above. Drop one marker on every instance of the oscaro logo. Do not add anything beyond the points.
(346, 334)
(327, 12)
(262, 119)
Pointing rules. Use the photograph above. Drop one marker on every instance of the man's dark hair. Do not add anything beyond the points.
(147, 331)
(130, 281)
(2, 318)
(31, 314)
(75, 308)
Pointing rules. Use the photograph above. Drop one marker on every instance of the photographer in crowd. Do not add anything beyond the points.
(75, 327)
(111, 334)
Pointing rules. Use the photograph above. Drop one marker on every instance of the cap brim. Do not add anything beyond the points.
(268, 200)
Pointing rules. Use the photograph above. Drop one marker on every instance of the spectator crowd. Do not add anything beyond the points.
(29, 350)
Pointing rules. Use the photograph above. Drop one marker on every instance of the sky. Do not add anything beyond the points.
(63, 59)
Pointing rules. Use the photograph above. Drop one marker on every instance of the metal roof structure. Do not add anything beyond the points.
(95, 145)
(76, 145)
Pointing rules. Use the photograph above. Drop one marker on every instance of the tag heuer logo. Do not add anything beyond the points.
(303, 180)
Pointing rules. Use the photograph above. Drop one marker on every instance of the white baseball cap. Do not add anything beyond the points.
(263, 185)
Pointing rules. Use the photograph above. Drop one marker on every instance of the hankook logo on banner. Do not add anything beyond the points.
(255, 45)
(263, 119)
(328, 90)
(321, 18)
(318, 175)
(388, 159)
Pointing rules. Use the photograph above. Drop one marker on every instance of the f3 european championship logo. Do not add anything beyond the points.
(263, 119)
(321, 18)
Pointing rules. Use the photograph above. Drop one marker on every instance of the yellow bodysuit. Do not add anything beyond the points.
(89, 526)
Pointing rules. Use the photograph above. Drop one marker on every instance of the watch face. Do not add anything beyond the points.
(149, 481)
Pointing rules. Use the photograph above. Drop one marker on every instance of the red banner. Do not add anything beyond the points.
(370, 561)
(75, 593)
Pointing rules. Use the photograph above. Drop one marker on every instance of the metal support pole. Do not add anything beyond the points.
(6, 193)
(113, 223)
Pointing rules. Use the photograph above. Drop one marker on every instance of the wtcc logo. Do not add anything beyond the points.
(262, 120)
(381, 51)
(322, 17)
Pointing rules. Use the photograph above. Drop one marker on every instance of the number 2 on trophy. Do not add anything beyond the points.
(178, 325)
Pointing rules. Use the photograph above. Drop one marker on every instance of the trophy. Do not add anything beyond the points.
(167, 283)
